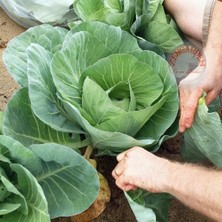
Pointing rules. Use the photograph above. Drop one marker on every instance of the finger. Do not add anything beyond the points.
(124, 186)
(211, 95)
(118, 170)
(129, 187)
(188, 111)
(116, 173)
(121, 156)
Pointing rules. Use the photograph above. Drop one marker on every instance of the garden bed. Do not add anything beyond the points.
(117, 209)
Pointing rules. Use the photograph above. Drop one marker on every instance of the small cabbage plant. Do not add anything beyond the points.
(145, 19)
(43, 181)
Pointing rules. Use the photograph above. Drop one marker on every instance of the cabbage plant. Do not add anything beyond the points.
(145, 19)
(43, 181)
(90, 86)
(100, 83)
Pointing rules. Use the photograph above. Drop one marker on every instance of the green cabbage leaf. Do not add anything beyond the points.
(43, 181)
(202, 142)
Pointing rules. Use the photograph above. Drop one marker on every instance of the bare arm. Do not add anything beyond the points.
(189, 16)
(193, 86)
(197, 187)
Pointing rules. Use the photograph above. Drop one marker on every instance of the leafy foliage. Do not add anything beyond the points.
(93, 85)
(145, 19)
(47, 179)
(89, 88)
(203, 140)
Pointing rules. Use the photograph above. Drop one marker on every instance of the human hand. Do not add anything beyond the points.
(192, 88)
(138, 168)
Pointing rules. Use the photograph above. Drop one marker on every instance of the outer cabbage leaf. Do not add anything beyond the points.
(158, 203)
(205, 136)
(69, 181)
(33, 194)
(22, 197)
(15, 152)
(115, 39)
(15, 56)
(141, 212)
(163, 35)
(118, 13)
(42, 91)
(21, 123)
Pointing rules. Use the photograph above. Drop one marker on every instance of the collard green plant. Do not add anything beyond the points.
(93, 85)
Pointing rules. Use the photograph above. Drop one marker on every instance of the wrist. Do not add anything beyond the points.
(172, 178)
(213, 55)
(168, 167)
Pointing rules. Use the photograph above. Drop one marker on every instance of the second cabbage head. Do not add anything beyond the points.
(105, 85)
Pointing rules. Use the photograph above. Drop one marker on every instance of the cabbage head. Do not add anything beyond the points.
(102, 85)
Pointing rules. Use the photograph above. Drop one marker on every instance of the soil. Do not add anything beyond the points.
(117, 209)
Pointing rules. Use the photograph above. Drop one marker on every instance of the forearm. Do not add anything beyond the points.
(197, 187)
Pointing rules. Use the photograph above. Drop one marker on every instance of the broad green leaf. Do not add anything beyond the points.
(118, 13)
(6, 208)
(89, 10)
(16, 195)
(163, 35)
(131, 122)
(104, 140)
(160, 14)
(116, 6)
(122, 18)
(42, 91)
(97, 103)
(205, 135)
(68, 64)
(33, 193)
(21, 124)
(141, 213)
(4, 159)
(189, 151)
(115, 39)
(141, 7)
(17, 153)
(159, 203)
(69, 181)
(153, 7)
(166, 115)
(15, 57)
